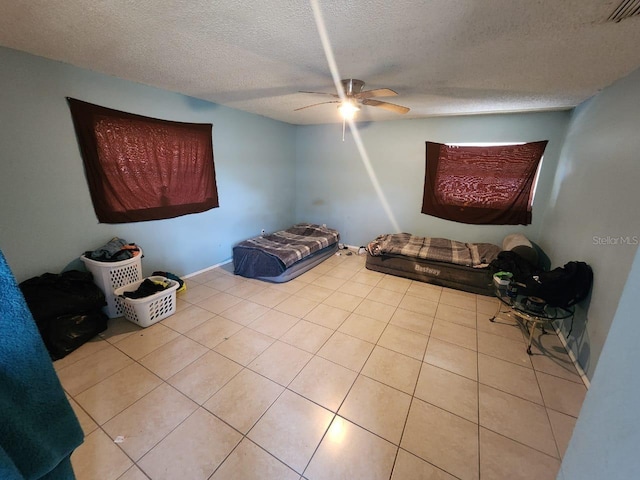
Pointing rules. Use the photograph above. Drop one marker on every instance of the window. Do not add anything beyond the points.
(491, 185)
(140, 168)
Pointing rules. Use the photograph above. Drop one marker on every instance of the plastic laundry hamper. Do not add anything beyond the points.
(111, 275)
(148, 310)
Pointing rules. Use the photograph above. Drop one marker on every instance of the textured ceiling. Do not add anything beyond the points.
(443, 57)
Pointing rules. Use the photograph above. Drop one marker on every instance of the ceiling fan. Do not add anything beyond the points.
(355, 97)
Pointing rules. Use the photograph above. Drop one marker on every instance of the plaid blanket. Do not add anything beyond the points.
(294, 243)
(439, 249)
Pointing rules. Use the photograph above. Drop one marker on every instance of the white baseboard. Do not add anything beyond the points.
(208, 268)
(573, 358)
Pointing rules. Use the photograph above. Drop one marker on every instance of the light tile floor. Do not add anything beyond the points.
(342, 373)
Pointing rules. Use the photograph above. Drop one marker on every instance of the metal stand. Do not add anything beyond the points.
(516, 310)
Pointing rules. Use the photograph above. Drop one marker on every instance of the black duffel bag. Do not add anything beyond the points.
(66, 308)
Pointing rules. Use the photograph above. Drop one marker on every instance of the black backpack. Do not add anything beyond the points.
(562, 286)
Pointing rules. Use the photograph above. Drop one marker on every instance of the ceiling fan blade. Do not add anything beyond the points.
(315, 104)
(319, 93)
(378, 92)
(386, 105)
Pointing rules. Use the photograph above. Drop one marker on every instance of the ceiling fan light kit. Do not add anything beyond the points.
(355, 96)
(348, 109)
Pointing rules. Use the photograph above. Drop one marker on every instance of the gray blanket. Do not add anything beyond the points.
(294, 243)
(476, 255)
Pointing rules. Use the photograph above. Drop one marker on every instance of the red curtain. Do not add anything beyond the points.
(481, 185)
(140, 168)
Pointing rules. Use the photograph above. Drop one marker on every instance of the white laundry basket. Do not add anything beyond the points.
(148, 310)
(111, 275)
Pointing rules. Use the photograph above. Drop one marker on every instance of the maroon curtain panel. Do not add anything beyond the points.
(481, 185)
(140, 168)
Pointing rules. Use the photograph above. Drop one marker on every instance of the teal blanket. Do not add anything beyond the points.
(38, 428)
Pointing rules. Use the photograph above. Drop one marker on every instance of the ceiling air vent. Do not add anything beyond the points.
(626, 9)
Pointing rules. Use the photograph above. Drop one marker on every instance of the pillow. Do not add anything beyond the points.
(514, 240)
(519, 244)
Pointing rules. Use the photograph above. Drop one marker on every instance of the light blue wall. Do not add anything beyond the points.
(46, 216)
(606, 437)
(333, 186)
(271, 174)
(594, 203)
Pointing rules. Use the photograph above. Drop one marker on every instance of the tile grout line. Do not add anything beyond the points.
(413, 397)
(546, 411)
(335, 415)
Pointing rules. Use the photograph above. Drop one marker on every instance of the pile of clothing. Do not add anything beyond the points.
(115, 250)
(147, 288)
